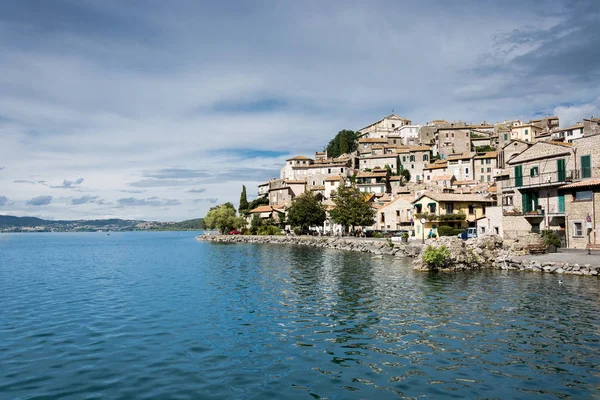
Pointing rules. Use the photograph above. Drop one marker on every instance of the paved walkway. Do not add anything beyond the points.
(571, 256)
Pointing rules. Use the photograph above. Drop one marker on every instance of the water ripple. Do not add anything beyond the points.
(158, 315)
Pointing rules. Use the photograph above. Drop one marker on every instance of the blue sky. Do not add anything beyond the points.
(159, 110)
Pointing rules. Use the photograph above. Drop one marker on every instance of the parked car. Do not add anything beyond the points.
(468, 233)
(235, 232)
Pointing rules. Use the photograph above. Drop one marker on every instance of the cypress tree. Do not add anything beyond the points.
(243, 208)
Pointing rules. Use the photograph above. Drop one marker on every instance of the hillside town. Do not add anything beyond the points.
(440, 178)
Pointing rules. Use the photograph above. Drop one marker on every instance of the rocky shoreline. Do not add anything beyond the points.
(485, 252)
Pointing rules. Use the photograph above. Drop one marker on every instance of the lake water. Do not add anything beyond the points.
(160, 315)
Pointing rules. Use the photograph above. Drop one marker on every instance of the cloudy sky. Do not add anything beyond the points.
(160, 109)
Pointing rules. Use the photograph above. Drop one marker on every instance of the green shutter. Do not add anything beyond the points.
(562, 169)
(586, 166)
(561, 203)
(534, 198)
(505, 137)
(525, 202)
(519, 175)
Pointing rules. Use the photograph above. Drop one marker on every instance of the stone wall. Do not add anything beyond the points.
(373, 246)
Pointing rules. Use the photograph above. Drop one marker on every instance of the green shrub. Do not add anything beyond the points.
(297, 231)
(377, 235)
(405, 235)
(269, 230)
(436, 257)
(444, 230)
(551, 238)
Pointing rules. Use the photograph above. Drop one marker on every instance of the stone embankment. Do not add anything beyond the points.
(373, 246)
(483, 252)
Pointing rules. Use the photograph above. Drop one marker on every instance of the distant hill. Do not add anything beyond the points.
(9, 223)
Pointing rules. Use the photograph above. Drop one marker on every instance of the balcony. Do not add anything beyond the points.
(541, 180)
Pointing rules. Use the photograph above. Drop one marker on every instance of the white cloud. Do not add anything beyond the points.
(123, 94)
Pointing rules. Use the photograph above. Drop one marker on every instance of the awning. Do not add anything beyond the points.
(431, 204)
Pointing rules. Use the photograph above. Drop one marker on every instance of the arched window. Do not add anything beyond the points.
(425, 157)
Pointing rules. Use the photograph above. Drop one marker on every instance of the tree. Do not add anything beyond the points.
(306, 211)
(243, 208)
(260, 201)
(406, 175)
(352, 208)
(223, 218)
(484, 149)
(344, 142)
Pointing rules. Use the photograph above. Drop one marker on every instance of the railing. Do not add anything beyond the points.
(543, 179)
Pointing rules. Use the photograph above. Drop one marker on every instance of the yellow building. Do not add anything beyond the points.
(525, 132)
(449, 209)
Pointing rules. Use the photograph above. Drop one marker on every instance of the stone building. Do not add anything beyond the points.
(591, 126)
(283, 191)
(395, 215)
(484, 165)
(511, 150)
(384, 127)
(582, 210)
(373, 182)
(371, 162)
(528, 192)
(461, 165)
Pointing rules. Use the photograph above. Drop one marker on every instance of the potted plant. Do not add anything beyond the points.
(552, 240)
(404, 237)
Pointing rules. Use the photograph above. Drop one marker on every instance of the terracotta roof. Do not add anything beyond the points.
(262, 209)
(372, 140)
(442, 178)
(372, 174)
(420, 148)
(380, 156)
(474, 198)
(318, 187)
(394, 178)
(581, 184)
(333, 178)
(299, 158)
(435, 166)
(471, 182)
(292, 181)
(489, 154)
(462, 156)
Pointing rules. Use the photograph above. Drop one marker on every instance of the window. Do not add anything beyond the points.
(403, 158)
(382, 220)
(425, 157)
(412, 165)
(482, 170)
(527, 131)
(507, 201)
(482, 178)
(428, 177)
(483, 229)
(577, 228)
(419, 207)
(471, 209)
(467, 134)
(489, 178)
(505, 136)
(466, 171)
(393, 125)
(412, 158)
(488, 161)
(452, 134)
(341, 169)
(586, 166)
(583, 195)
(397, 213)
(533, 171)
(394, 141)
(431, 208)
(449, 208)
(328, 170)
(489, 170)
